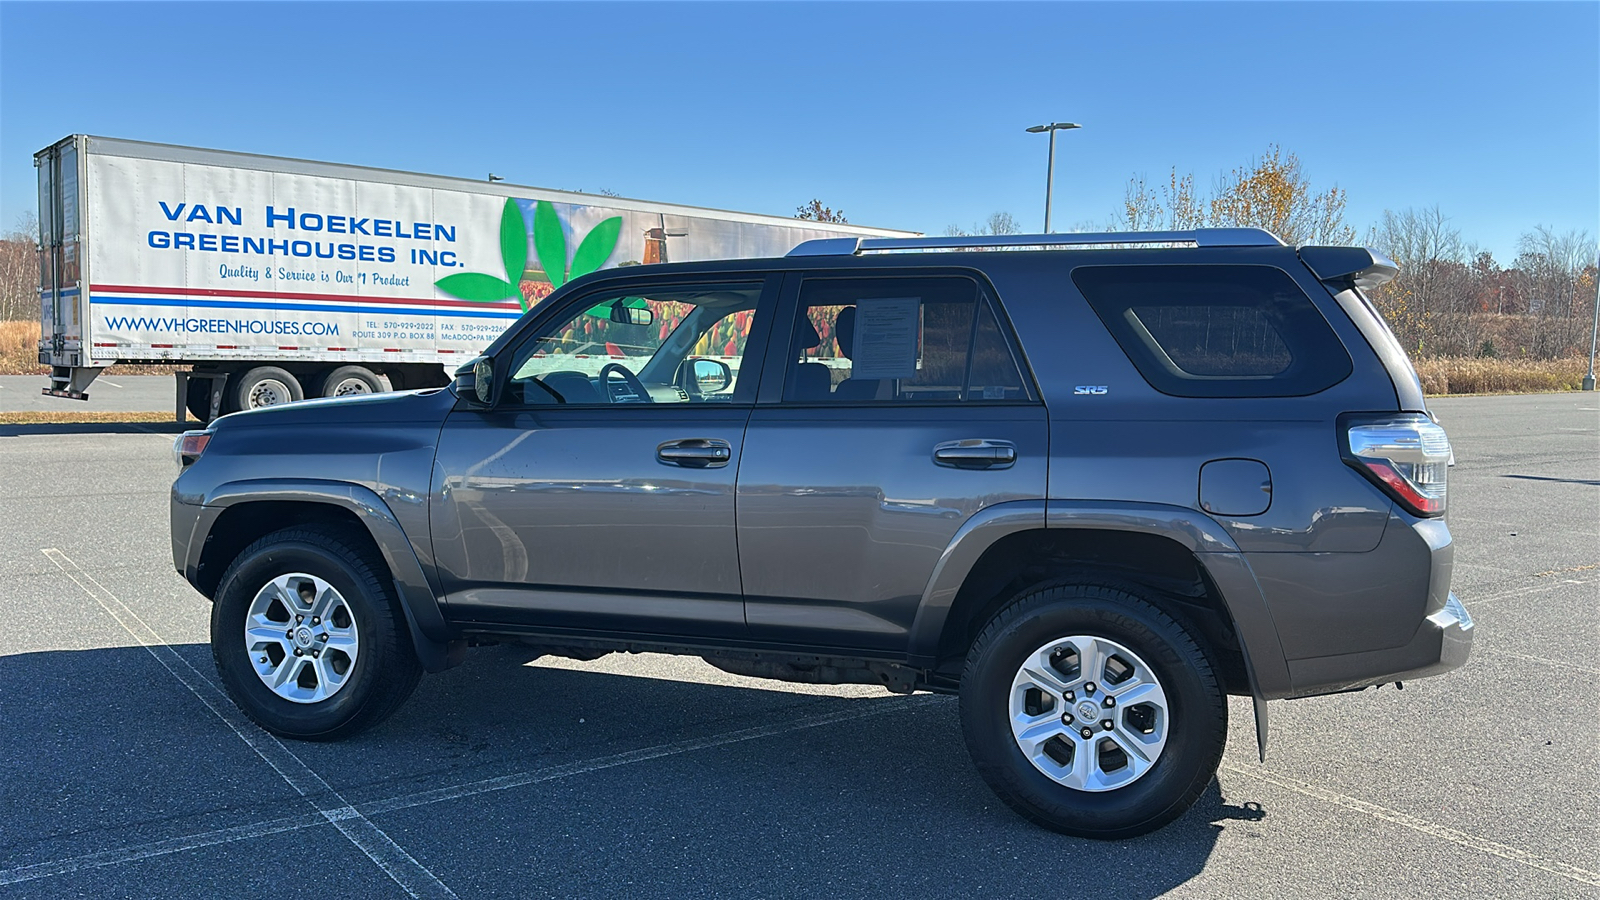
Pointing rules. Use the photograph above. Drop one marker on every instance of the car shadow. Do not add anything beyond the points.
(712, 788)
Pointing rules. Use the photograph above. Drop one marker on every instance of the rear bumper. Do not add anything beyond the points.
(1442, 644)
(1349, 620)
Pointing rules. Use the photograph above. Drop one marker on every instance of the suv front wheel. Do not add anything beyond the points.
(305, 635)
(1091, 712)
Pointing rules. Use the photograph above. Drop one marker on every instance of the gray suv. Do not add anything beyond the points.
(1092, 484)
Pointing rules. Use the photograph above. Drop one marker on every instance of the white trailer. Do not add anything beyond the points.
(278, 279)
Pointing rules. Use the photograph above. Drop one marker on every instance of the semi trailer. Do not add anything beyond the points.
(268, 280)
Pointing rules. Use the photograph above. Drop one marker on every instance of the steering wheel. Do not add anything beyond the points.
(632, 380)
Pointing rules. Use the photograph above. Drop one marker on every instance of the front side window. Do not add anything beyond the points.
(679, 344)
(899, 340)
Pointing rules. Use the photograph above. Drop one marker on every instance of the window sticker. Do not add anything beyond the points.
(885, 343)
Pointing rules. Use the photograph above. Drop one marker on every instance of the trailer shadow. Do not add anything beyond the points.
(616, 780)
(66, 428)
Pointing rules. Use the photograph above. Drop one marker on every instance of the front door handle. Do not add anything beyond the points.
(695, 453)
(976, 454)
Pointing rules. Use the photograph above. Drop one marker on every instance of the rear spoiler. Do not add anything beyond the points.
(1348, 267)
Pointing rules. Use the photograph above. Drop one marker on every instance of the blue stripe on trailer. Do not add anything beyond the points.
(102, 300)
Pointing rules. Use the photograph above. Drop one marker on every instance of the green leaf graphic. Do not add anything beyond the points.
(477, 286)
(513, 241)
(596, 247)
(550, 242)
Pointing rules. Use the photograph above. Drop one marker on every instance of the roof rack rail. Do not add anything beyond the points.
(1199, 237)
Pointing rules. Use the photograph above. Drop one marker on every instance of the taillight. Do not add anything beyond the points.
(188, 447)
(1405, 454)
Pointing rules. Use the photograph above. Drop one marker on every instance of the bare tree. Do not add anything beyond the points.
(999, 223)
(1175, 207)
(19, 270)
(1432, 259)
(1558, 271)
(816, 212)
(1272, 192)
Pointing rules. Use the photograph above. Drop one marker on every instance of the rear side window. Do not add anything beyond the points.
(899, 340)
(1216, 331)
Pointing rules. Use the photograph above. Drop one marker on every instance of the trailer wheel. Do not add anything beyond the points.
(347, 380)
(265, 386)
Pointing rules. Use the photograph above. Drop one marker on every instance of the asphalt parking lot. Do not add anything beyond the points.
(126, 773)
(108, 393)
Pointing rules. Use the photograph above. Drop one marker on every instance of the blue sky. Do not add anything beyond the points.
(905, 115)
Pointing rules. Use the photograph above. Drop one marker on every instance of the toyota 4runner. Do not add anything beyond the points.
(1092, 484)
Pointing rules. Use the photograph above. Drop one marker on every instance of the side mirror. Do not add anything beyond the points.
(475, 381)
(711, 375)
(622, 314)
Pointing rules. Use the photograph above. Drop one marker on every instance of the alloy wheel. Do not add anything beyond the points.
(301, 637)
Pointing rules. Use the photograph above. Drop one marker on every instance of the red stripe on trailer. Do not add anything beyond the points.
(336, 349)
(227, 346)
(288, 348)
(160, 346)
(394, 350)
(286, 295)
(98, 344)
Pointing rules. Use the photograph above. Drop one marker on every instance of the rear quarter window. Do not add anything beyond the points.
(1216, 331)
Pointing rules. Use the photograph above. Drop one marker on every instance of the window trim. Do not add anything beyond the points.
(775, 375)
(769, 284)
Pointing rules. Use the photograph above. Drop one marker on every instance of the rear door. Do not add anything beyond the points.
(60, 258)
(892, 409)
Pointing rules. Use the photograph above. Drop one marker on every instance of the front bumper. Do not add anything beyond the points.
(186, 535)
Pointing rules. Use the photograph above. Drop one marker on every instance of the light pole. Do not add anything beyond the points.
(1050, 167)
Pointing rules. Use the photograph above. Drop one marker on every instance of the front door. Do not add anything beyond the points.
(902, 412)
(598, 493)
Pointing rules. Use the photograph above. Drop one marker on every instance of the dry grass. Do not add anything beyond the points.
(1467, 375)
(19, 353)
(85, 416)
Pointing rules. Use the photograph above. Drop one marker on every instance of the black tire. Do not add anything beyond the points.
(348, 376)
(1197, 725)
(386, 669)
(244, 384)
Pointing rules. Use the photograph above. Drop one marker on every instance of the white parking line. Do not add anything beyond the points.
(159, 848)
(1472, 841)
(1539, 659)
(412, 876)
(1519, 591)
(121, 855)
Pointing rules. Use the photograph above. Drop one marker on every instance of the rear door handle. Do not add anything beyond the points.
(696, 453)
(976, 454)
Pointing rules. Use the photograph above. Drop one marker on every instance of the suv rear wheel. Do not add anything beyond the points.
(305, 635)
(1091, 712)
